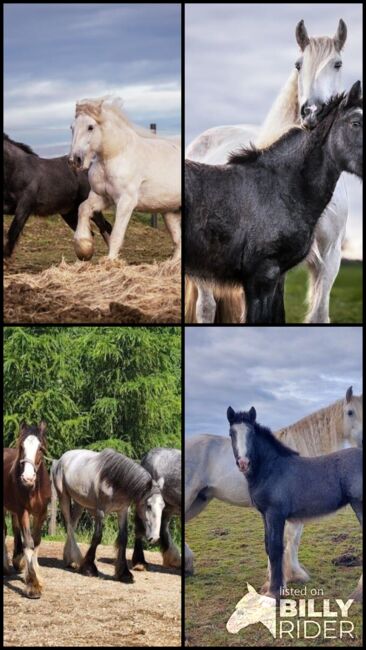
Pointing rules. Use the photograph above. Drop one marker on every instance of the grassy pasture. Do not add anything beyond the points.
(229, 551)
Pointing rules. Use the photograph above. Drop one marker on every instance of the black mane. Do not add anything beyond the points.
(124, 474)
(265, 435)
(21, 145)
(251, 153)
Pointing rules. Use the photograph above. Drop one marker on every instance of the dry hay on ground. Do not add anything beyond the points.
(76, 611)
(95, 293)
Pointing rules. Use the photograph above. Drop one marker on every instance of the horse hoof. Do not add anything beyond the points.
(141, 566)
(33, 592)
(84, 249)
(89, 570)
(127, 578)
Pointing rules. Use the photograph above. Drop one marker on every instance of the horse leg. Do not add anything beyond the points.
(293, 571)
(357, 593)
(22, 213)
(171, 555)
(7, 570)
(259, 300)
(122, 572)
(37, 528)
(138, 559)
(278, 307)
(71, 555)
(275, 525)
(188, 560)
(83, 240)
(18, 552)
(205, 305)
(323, 270)
(31, 578)
(88, 567)
(173, 225)
(105, 228)
(124, 209)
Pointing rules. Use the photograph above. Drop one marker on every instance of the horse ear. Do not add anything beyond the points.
(230, 414)
(349, 394)
(23, 426)
(251, 589)
(340, 36)
(42, 427)
(252, 414)
(301, 35)
(353, 96)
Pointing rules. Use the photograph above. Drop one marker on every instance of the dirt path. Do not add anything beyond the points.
(78, 611)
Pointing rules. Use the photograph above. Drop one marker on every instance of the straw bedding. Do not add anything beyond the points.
(109, 292)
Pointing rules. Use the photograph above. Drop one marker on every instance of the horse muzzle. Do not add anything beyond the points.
(243, 465)
(75, 162)
(28, 482)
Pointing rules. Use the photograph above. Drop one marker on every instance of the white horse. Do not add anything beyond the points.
(210, 469)
(129, 167)
(316, 78)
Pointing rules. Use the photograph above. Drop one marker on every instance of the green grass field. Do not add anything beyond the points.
(229, 552)
(346, 296)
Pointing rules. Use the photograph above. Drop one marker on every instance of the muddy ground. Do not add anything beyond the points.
(75, 610)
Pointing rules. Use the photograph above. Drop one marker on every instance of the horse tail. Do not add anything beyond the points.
(56, 477)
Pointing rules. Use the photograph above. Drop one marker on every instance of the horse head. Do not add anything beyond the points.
(352, 418)
(31, 445)
(150, 509)
(241, 424)
(253, 608)
(319, 70)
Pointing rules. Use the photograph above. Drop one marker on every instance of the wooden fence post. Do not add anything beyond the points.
(154, 217)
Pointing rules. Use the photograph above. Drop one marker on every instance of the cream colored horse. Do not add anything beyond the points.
(210, 467)
(129, 167)
(316, 78)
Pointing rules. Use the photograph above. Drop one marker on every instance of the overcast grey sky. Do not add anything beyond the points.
(58, 53)
(238, 57)
(286, 373)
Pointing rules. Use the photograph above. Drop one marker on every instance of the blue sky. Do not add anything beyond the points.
(238, 57)
(286, 373)
(58, 53)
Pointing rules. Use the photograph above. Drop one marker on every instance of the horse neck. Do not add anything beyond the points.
(283, 114)
(318, 433)
(116, 136)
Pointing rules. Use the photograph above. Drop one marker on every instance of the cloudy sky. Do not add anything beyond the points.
(238, 57)
(58, 53)
(286, 373)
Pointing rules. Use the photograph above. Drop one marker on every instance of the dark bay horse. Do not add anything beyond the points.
(42, 186)
(286, 486)
(166, 464)
(27, 492)
(248, 222)
(103, 482)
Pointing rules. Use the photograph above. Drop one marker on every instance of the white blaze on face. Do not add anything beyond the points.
(153, 511)
(84, 139)
(239, 439)
(30, 446)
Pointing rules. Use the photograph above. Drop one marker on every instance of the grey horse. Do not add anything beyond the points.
(166, 464)
(104, 482)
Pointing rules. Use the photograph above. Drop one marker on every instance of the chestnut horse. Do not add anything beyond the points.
(27, 491)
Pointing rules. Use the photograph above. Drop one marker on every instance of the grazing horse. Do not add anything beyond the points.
(104, 482)
(317, 77)
(27, 492)
(42, 186)
(252, 220)
(166, 464)
(208, 467)
(130, 167)
(286, 486)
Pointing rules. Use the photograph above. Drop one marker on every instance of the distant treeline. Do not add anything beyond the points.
(95, 387)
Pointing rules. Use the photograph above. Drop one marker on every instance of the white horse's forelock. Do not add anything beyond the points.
(103, 108)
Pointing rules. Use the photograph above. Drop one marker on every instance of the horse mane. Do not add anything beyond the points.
(20, 145)
(124, 474)
(113, 105)
(264, 434)
(327, 114)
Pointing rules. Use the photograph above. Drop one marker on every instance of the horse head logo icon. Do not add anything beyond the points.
(253, 608)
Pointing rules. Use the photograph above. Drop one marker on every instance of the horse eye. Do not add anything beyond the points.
(148, 507)
(298, 65)
(349, 412)
(90, 127)
(356, 124)
(338, 64)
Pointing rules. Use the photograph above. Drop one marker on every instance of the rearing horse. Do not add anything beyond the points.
(27, 491)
